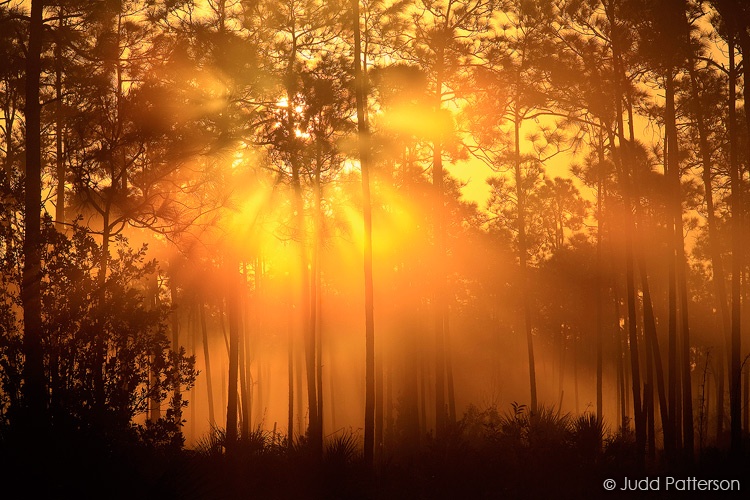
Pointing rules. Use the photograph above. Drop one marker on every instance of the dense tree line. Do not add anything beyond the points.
(294, 169)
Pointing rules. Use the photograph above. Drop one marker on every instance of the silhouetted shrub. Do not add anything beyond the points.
(588, 436)
(106, 353)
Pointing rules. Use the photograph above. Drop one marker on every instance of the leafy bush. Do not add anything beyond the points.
(106, 352)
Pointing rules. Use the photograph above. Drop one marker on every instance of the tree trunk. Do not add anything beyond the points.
(9, 111)
(717, 279)
(315, 304)
(192, 330)
(639, 415)
(625, 175)
(735, 402)
(746, 406)
(575, 375)
(290, 371)
(154, 382)
(649, 318)
(300, 392)
(175, 325)
(249, 350)
(99, 333)
(207, 357)
(234, 345)
(379, 400)
(523, 256)
(439, 254)
(621, 355)
(364, 159)
(243, 371)
(671, 167)
(561, 368)
(449, 370)
(308, 328)
(720, 378)
(744, 40)
(34, 391)
(652, 342)
(304, 284)
(259, 354)
(59, 160)
(599, 298)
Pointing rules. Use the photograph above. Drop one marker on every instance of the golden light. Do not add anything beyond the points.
(418, 120)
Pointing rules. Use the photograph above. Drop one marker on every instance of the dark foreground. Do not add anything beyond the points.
(486, 456)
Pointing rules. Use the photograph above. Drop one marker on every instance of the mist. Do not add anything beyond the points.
(419, 249)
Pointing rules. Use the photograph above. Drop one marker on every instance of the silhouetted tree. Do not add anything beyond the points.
(34, 387)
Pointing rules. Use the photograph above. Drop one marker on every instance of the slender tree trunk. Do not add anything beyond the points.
(561, 375)
(625, 175)
(720, 378)
(364, 159)
(315, 292)
(260, 410)
(223, 389)
(59, 203)
(9, 111)
(449, 370)
(249, 349)
(316, 305)
(649, 406)
(639, 415)
(192, 328)
(717, 279)
(122, 175)
(300, 360)
(736, 208)
(175, 325)
(671, 167)
(290, 373)
(332, 375)
(439, 253)
(575, 375)
(260, 355)
(54, 351)
(599, 288)
(746, 406)
(99, 333)
(744, 40)
(308, 327)
(59, 159)
(688, 430)
(154, 382)
(652, 342)
(388, 403)
(207, 357)
(621, 379)
(243, 369)
(222, 321)
(234, 346)
(649, 318)
(412, 410)
(379, 399)
(423, 425)
(523, 256)
(34, 391)
(621, 353)
(705, 402)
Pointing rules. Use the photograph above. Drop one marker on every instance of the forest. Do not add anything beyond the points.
(373, 248)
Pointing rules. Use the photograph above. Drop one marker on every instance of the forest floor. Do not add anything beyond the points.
(483, 458)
